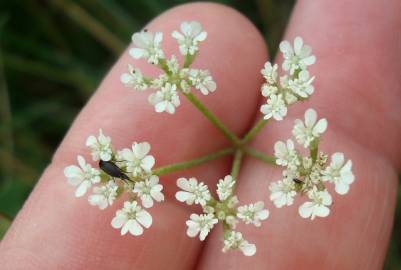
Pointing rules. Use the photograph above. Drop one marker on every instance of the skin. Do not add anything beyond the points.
(357, 89)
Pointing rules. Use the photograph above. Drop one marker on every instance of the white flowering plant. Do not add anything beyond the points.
(128, 173)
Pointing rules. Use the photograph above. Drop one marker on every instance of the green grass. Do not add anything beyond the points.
(52, 56)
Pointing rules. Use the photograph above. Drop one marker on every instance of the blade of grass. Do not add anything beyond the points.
(5, 223)
(93, 26)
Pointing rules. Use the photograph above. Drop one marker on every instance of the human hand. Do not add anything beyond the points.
(357, 90)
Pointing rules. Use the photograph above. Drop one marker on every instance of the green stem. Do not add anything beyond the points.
(193, 162)
(188, 60)
(255, 130)
(236, 163)
(212, 118)
(261, 156)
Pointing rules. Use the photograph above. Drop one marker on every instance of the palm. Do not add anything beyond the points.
(358, 90)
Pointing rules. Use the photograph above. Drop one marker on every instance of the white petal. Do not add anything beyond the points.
(147, 201)
(147, 163)
(337, 159)
(134, 228)
(91, 140)
(141, 149)
(306, 209)
(82, 188)
(184, 196)
(248, 249)
(203, 234)
(341, 188)
(137, 52)
(321, 211)
(320, 126)
(118, 221)
(310, 117)
(285, 46)
(183, 184)
(144, 218)
(298, 43)
(192, 229)
(72, 172)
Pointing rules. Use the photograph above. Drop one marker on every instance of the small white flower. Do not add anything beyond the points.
(193, 192)
(318, 206)
(307, 132)
(286, 154)
(191, 35)
(235, 240)
(298, 58)
(134, 79)
(137, 160)
(302, 86)
(147, 46)
(173, 65)
(83, 176)
(149, 190)
(339, 173)
(253, 213)
(225, 187)
(200, 223)
(202, 80)
(268, 90)
(269, 72)
(104, 195)
(282, 192)
(160, 81)
(100, 147)
(131, 219)
(275, 107)
(166, 99)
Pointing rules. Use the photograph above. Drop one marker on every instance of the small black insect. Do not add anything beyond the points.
(298, 181)
(112, 169)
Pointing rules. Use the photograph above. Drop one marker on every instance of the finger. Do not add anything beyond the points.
(357, 90)
(57, 231)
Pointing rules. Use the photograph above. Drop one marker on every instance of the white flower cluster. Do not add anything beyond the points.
(295, 85)
(128, 170)
(224, 210)
(308, 175)
(175, 78)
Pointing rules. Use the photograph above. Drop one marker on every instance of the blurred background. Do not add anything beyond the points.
(53, 54)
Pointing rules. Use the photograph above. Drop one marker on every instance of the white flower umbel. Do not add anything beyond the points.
(83, 176)
(339, 173)
(166, 99)
(221, 210)
(100, 146)
(253, 213)
(225, 187)
(275, 107)
(104, 196)
(201, 224)
(134, 79)
(132, 218)
(192, 191)
(202, 80)
(191, 34)
(147, 46)
(234, 240)
(317, 207)
(297, 58)
(136, 160)
(149, 190)
(282, 192)
(310, 130)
